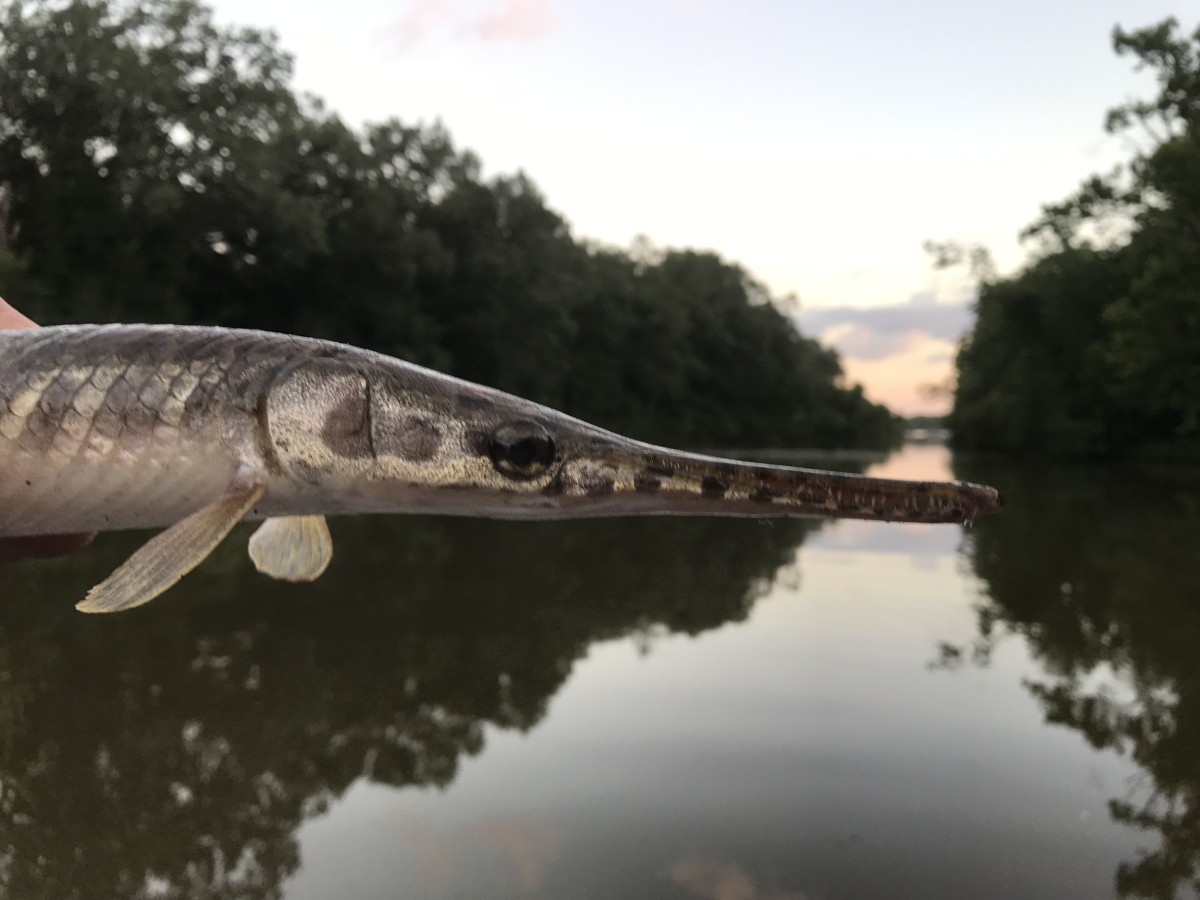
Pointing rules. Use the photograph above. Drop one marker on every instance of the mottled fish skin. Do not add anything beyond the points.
(129, 426)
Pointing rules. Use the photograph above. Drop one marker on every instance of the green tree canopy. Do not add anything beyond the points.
(158, 166)
(1094, 348)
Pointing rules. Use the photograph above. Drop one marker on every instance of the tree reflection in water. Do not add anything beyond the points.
(176, 750)
(1098, 569)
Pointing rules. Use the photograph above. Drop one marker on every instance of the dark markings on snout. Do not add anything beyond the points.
(765, 495)
(555, 488)
(662, 471)
(601, 487)
(412, 437)
(712, 487)
(646, 484)
(478, 441)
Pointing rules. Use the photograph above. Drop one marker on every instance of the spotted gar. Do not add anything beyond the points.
(194, 429)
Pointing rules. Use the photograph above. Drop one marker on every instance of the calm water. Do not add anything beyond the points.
(675, 708)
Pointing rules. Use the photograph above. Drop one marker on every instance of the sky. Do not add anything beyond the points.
(818, 145)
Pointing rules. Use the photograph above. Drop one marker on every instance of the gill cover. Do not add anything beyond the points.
(316, 415)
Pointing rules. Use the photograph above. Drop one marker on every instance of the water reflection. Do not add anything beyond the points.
(628, 708)
(1098, 570)
(175, 751)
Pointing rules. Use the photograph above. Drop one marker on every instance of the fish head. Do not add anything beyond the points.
(399, 438)
(385, 436)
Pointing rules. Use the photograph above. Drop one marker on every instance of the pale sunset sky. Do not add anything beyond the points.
(818, 144)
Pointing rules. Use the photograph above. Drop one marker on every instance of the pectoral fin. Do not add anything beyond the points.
(167, 557)
(294, 548)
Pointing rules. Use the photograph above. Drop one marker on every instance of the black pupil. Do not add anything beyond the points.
(522, 453)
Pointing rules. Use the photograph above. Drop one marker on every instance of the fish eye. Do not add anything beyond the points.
(521, 449)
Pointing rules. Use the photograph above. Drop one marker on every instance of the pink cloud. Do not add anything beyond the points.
(415, 24)
(518, 20)
(880, 331)
(897, 352)
(902, 380)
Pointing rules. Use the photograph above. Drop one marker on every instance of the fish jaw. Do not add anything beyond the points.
(626, 478)
(620, 477)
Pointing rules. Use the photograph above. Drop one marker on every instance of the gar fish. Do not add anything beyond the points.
(195, 429)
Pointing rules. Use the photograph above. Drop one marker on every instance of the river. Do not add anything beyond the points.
(732, 710)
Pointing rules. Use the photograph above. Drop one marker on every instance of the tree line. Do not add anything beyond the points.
(1093, 349)
(157, 166)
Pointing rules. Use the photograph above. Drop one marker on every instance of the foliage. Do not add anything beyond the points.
(162, 169)
(1094, 349)
(1032, 374)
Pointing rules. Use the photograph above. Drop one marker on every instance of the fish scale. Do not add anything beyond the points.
(193, 428)
(98, 420)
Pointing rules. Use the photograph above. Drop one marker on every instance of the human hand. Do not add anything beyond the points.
(10, 318)
(34, 547)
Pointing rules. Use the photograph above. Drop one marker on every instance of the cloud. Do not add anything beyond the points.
(896, 352)
(901, 379)
(883, 331)
(521, 20)
(422, 16)
(504, 20)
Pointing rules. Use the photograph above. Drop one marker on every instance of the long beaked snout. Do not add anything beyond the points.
(399, 439)
(622, 477)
